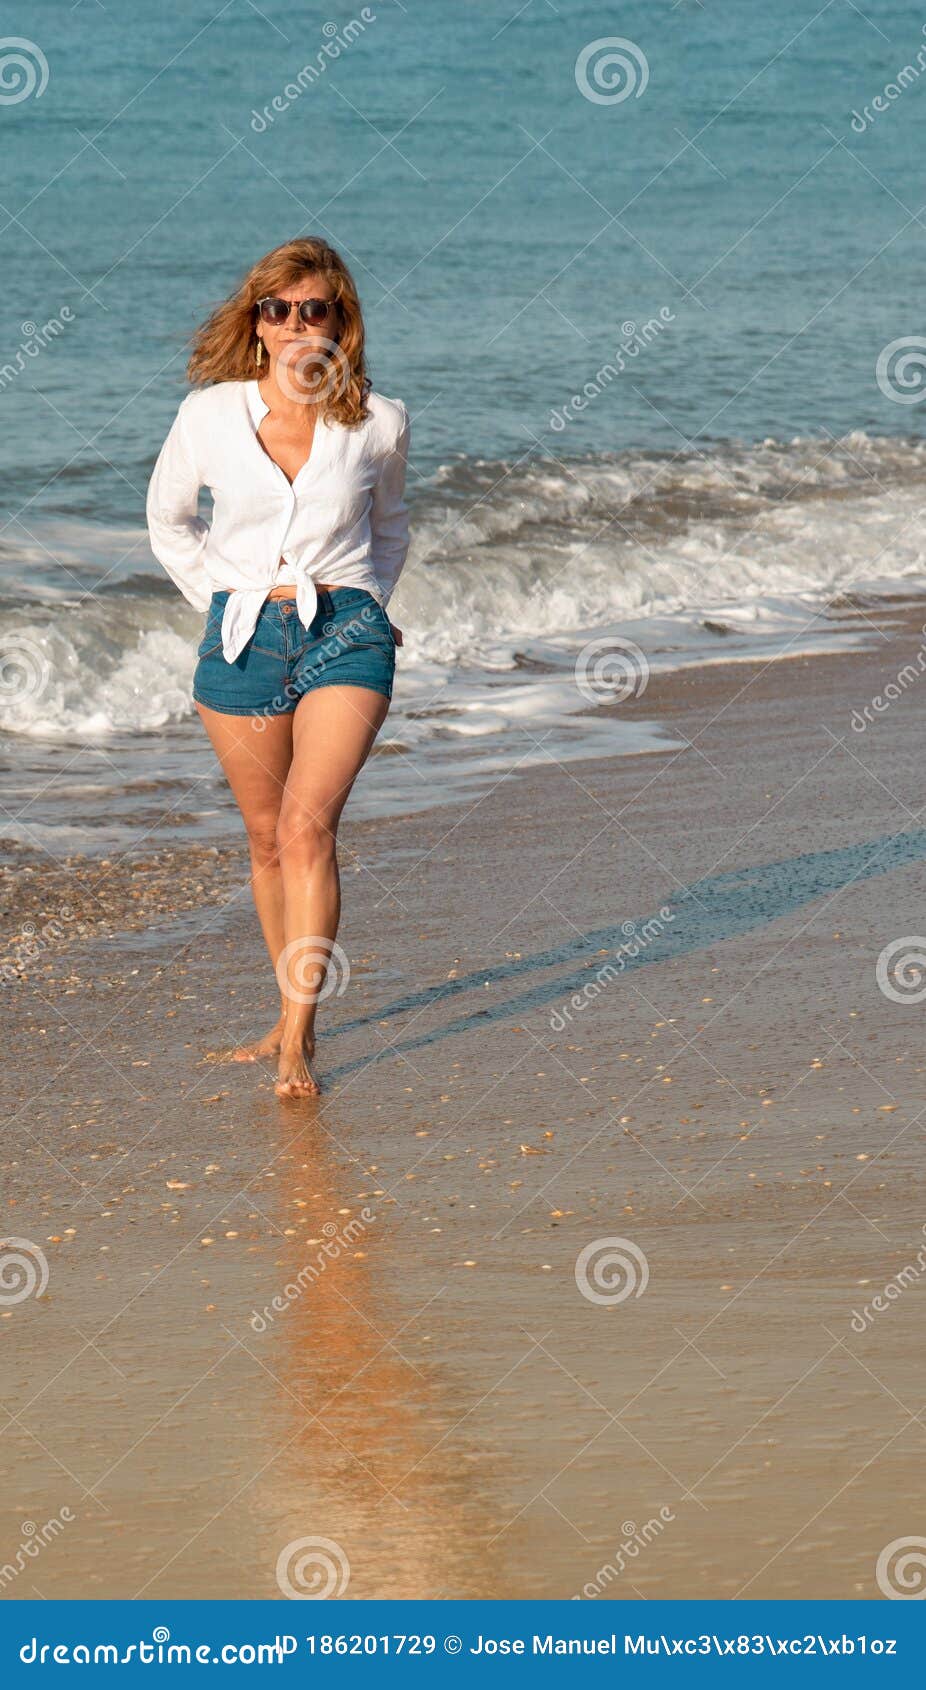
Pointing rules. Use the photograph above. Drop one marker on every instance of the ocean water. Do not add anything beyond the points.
(652, 304)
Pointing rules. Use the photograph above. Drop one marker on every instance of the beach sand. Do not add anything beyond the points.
(740, 1105)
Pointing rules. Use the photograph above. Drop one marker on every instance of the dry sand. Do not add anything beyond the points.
(744, 1105)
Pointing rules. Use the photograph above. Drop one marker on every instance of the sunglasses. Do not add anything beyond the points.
(276, 311)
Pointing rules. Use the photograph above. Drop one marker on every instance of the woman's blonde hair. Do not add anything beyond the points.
(225, 345)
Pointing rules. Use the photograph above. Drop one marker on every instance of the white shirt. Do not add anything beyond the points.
(343, 520)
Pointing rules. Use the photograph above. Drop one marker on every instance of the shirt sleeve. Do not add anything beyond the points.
(177, 533)
(389, 514)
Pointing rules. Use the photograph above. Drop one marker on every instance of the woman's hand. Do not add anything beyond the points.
(396, 633)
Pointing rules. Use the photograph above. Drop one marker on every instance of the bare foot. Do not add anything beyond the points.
(269, 1045)
(295, 1076)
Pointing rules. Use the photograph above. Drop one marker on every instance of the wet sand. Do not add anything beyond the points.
(739, 1102)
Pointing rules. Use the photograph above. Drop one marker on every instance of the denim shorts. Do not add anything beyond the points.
(349, 643)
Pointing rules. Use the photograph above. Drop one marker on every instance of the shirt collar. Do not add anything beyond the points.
(257, 407)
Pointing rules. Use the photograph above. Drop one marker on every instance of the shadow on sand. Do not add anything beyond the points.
(705, 913)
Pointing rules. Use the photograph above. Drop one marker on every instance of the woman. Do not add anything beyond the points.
(309, 531)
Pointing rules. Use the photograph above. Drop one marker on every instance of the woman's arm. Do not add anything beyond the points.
(177, 533)
(389, 514)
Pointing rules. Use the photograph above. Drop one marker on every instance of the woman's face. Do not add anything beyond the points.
(292, 340)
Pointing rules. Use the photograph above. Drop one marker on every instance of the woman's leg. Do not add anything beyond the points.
(333, 732)
(255, 753)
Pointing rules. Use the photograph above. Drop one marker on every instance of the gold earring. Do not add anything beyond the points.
(260, 351)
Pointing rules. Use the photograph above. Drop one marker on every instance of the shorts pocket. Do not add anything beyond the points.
(366, 624)
(211, 639)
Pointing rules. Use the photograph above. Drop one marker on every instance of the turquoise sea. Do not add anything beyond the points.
(648, 279)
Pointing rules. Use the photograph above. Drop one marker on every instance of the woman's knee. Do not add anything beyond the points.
(262, 841)
(301, 836)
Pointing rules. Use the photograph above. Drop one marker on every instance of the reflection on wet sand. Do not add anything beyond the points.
(367, 1464)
